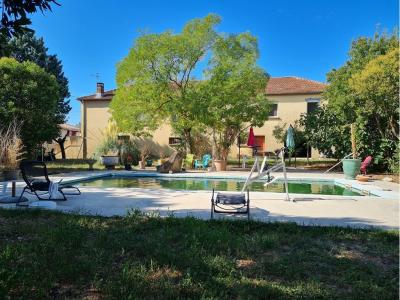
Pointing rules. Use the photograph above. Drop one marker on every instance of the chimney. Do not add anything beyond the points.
(99, 89)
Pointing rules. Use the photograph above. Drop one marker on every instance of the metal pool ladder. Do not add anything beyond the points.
(261, 173)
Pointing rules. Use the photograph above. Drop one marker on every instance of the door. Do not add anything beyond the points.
(260, 143)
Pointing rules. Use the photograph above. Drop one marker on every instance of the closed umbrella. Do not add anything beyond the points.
(290, 141)
(290, 138)
(251, 141)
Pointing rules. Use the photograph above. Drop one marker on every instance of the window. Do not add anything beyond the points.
(274, 110)
(174, 141)
(312, 104)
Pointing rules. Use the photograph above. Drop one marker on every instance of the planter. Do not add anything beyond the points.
(220, 165)
(10, 175)
(128, 167)
(109, 161)
(142, 165)
(351, 168)
(149, 162)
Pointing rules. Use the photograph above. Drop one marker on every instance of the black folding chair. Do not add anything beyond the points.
(230, 203)
(37, 181)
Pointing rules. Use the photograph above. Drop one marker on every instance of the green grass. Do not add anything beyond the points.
(55, 255)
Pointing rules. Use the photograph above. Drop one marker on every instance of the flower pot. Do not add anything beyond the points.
(149, 162)
(220, 165)
(10, 175)
(142, 165)
(351, 168)
(109, 161)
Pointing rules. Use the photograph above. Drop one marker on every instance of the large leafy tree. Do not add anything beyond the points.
(27, 47)
(156, 81)
(14, 14)
(14, 20)
(233, 94)
(363, 92)
(29, 95)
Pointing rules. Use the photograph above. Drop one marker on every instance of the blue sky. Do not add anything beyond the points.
(304, 38)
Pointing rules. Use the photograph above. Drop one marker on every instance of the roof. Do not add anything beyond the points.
(69, 127)
(276, 86)
(293, 85)
(107, 95)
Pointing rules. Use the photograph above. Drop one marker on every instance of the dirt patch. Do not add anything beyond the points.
(164, 273)
(245, 263)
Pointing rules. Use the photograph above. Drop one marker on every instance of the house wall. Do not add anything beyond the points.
(290, 108)
(94, 120)
(95, 116)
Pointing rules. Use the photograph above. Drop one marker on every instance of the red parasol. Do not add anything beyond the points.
(251, 141)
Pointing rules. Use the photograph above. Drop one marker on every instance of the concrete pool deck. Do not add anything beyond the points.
(356, 211)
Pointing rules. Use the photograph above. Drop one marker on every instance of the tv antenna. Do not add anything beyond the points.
(97, 75)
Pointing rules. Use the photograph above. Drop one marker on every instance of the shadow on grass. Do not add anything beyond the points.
(55, 255)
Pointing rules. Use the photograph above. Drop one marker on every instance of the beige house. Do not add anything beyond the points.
(72, 142)
(291, 97)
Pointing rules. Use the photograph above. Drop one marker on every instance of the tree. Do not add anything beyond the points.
(29, 94)
(327, 133)
(156, 82)
(363, 92)
(14, 19)
(233, 94)
(61, 142)
(27, 47)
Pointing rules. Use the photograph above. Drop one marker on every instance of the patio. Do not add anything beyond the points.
(355, 211)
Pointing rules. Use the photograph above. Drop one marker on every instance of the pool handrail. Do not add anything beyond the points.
(335, 165)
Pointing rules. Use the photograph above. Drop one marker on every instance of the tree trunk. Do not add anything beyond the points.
(61, 142)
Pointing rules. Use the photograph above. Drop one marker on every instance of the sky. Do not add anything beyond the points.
(304, 38)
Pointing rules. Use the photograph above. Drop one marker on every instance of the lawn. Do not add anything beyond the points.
(55, 255)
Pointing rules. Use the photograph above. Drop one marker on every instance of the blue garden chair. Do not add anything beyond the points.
(203, 164)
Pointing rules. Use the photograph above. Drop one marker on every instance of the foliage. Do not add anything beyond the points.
(394, 161)
(327, 133)
(129, 153)
(280, 132)
(29, 94)
(56, 255)
(11, 148)
(27, 47)
(233, 95)
(110, 144)
(14, 18)
(363, 92)
(156, 82)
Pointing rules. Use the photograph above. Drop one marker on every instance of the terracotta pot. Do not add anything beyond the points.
(142, 165)
(220, 165)
(10, 175)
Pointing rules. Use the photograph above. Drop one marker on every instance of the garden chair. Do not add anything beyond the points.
(230, 203)
(203, 164)
(188, 161)
(38, 183)
(365, 164)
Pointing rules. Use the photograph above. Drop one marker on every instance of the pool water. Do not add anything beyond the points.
(194, 184)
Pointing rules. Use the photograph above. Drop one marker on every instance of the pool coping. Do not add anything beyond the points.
(364, 189)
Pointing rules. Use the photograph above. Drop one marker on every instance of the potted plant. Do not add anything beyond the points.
(144, 155)
(109, 149)
(108, 152)
(10, 151)
(351, 166)
(129, 154)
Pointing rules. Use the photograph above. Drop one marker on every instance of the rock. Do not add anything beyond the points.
(388, 179)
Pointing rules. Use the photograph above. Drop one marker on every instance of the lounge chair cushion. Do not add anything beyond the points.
(225, 198)
(40, 185)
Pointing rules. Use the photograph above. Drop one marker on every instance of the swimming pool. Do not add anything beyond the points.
(197, 183)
